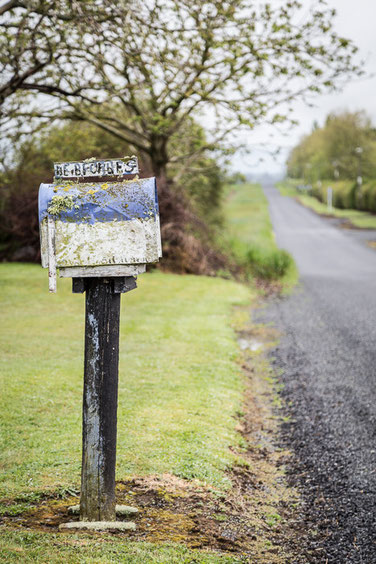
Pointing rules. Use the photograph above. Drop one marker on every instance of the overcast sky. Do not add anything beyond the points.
(355, 20)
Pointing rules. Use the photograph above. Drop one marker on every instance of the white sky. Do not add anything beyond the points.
(357, 21)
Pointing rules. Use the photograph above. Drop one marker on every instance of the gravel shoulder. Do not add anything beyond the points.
(326, 360)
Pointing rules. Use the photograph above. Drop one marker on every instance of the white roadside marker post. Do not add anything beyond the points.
(329, 198)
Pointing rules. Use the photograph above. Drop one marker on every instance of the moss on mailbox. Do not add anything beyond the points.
(99, 224)
(59, 204)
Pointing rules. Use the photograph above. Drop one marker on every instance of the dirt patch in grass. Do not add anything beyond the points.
(254, 520)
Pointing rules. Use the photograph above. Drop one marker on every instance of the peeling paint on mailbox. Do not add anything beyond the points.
(115, 223)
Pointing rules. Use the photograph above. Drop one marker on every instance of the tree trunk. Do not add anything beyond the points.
(159, 157)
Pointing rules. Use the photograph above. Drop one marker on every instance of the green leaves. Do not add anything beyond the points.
(330, 152)
(166, 61)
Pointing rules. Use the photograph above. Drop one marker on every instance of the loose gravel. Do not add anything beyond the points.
(326, 360)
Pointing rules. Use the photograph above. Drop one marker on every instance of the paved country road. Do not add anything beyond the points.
(328, 357)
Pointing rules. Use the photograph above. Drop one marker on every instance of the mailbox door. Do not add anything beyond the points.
(101, 224)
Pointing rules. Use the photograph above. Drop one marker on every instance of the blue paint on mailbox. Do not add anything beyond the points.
(99, 202)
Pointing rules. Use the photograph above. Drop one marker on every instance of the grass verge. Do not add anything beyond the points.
(179, 383)
(353, 218)
(250, 236)
(193, 455)
(55, 548)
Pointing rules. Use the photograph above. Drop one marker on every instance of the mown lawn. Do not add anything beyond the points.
(25, 547)
(180, 393)
(180, 389)
(247, 218)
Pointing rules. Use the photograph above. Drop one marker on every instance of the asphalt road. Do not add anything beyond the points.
(328, 357)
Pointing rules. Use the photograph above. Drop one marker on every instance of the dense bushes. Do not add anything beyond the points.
(367, 196)
(346, 194)
(188, 241)
(343, 193)
(342, 149)
(189, 208)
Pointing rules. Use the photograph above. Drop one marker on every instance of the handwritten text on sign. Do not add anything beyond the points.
(106, 167)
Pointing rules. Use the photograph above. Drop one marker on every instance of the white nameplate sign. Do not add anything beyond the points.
(94, 167)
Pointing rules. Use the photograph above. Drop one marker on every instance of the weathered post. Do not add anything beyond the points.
(102, 235)
(99, 415)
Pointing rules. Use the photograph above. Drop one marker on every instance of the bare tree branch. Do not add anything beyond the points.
(142, 70)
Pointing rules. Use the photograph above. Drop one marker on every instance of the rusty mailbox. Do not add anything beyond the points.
(102, 234)
(98, 228)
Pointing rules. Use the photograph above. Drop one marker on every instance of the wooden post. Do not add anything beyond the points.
(51, 255)
(97, 507)
(100, 400)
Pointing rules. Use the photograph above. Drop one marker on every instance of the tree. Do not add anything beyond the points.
(33, 163)
(343, 148)
(239, 62)
(38, 42)
(32, 42)
(39, 39)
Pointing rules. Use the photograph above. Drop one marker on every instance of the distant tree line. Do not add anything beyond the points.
(344, 148)
(136, 77)
(340, 154)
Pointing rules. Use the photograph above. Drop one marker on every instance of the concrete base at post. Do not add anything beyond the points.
(120, 510)
(100, 526)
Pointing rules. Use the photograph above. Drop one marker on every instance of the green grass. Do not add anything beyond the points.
(250, 235)
(360, 219)
(27, 547)
(247, 215)
(179, 386)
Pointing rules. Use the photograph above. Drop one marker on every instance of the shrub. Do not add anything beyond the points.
(367, 199)
(268, 265)
(190, 209)
(344, 193)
